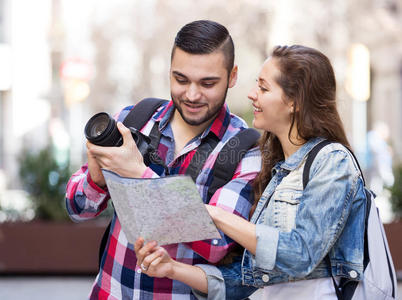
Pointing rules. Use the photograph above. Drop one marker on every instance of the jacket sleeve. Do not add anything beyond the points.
(236, 197)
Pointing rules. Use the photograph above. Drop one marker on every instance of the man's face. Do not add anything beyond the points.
(198, 85)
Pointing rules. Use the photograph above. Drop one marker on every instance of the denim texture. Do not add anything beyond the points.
(297, 228)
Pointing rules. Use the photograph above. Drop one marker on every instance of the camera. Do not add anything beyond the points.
(101, 129)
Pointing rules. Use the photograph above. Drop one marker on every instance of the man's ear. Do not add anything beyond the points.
(233, 77)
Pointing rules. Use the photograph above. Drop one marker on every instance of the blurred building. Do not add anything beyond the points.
(25, 80)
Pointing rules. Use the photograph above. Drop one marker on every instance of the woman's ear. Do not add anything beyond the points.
(292, 105)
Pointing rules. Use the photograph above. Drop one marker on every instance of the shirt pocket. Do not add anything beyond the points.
(284, 208)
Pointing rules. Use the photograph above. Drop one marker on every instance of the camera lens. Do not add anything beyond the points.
(99, 125)
(101, 130)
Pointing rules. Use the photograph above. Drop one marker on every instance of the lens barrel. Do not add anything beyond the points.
(102, 130)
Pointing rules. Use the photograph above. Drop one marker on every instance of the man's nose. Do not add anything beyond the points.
(193, 93)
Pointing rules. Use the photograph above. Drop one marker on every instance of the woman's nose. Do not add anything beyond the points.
(252, 95)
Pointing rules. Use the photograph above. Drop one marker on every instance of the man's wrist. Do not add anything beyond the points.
(172, 272)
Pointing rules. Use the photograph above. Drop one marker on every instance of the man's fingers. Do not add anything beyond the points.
(138, 244)
(150, 258)
(144, 251)
(126, 134)
(95, 150)
(155, 262)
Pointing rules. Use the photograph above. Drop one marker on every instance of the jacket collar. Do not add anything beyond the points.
(294, 161)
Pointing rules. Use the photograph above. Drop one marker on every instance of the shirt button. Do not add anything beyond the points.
(215, 242)
(139, 271)
(265, 278)
(353, 274)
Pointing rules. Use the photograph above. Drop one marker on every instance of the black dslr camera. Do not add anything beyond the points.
(102, 130)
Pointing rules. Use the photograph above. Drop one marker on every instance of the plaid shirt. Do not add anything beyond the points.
(119, 277)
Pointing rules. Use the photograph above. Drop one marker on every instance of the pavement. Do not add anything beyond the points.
(61, 288)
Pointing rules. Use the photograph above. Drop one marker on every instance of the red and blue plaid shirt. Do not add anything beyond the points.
(119, 277)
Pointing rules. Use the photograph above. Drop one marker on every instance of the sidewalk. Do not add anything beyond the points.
(60, 288)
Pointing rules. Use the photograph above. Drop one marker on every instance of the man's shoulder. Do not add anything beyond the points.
(238, 122)
(127, 109)
(236, 125)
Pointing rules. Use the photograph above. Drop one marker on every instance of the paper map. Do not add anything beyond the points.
(167, 209)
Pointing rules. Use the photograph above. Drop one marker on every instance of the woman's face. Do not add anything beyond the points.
(272, 112)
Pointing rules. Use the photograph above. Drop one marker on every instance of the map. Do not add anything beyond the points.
(168, 209)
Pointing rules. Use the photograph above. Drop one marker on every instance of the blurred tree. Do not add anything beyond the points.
(45, 181)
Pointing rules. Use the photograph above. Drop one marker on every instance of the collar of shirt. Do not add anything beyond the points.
(217, 127)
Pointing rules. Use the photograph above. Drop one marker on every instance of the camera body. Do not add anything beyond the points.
(101, 129)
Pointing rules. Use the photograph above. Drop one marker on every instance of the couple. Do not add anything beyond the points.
(291, 229)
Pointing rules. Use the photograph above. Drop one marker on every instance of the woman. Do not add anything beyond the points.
(294, 233)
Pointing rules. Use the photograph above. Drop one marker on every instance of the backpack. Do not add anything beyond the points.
(379, 279)
(223, 169)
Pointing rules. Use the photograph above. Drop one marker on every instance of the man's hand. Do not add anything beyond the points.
(125, 160)
(153, 260)
(94, 169)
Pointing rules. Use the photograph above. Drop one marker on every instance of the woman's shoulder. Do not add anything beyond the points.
(337, 157)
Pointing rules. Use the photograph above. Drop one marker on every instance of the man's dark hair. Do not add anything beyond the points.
(204, 37)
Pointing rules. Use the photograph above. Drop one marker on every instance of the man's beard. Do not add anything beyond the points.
(209, 116)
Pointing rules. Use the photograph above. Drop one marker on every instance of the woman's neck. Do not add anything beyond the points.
(290, 144)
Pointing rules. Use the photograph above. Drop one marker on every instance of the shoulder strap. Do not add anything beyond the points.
(142, 112)
(201, 155)
(310, 158)
(346, 288)
(230, 156)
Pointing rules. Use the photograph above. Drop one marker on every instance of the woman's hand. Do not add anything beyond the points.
(214, 211)
(153, 259)
(239, 229)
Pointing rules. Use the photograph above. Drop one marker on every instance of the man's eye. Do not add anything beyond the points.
(181, 80)
(208, 84)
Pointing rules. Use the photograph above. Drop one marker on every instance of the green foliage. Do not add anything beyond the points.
(396, 192)
(45, 181)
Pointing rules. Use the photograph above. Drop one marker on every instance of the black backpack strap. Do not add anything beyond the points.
(346, 287)
(137, 118)
(201, 155)
(142, 112)
(310, 158)
(230, 156)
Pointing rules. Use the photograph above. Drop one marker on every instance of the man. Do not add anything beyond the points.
(202, 69)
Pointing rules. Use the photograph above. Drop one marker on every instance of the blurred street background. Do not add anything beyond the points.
(61, 61)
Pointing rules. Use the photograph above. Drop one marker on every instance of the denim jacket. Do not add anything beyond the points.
(297, 228)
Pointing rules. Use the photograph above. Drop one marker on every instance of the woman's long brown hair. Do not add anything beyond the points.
(306, 78)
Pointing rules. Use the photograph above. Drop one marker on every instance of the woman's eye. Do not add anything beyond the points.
(262, 89)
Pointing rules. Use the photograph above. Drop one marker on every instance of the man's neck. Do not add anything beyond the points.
(184, 132)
